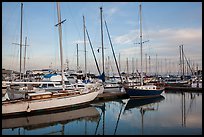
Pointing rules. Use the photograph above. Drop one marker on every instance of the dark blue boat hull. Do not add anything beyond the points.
(143, 93)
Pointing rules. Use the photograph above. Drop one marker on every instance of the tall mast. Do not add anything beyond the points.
(119, 62)
(77, 57)
(140, 6)
(85, 47)
(127, 67)
(67, 63)
(25, 55)
(146, 63)
(149, 66)
(182, 60)
(102, 39)
(136, 64)
(156, 65)
(60, 40)
(161, 67)
(133, 66)
(108, 66)
(21, 31)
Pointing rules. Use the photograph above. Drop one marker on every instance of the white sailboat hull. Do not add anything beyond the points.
(9, 107)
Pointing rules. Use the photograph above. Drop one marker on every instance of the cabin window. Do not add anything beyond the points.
(44, 85)
(50, 85)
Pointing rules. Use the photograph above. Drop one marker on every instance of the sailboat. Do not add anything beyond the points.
(110, 83)
(46, 100)
(142, 91)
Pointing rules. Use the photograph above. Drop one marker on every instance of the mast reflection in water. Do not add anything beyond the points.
(172, 113)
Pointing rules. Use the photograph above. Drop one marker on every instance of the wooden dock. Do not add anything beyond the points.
(111, 96)
(186, 89)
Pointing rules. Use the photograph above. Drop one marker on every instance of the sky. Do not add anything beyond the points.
(166, 25)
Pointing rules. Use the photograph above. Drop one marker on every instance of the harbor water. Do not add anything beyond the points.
(172, 113)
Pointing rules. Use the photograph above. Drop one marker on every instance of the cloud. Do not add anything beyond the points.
(165, 41)
(128, 38)
(112, 11)
(80, 42)
(186, 35)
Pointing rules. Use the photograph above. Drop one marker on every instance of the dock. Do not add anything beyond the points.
(111, 96)
(186, 89)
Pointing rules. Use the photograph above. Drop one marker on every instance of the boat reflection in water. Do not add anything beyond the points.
(32, 122)
(143, 104)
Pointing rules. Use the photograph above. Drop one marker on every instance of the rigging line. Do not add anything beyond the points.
(93, 52)
(113, 52)
(74, 21)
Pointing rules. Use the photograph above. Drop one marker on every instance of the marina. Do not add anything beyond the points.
(73, 75)
(114, 117)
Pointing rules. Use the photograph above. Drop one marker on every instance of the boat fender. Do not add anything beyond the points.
(28, 108)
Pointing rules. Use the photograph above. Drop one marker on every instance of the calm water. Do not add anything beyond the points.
(173, 113)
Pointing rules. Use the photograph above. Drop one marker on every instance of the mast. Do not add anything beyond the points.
(133, 66)
(146, 63)
(119, 62)
(77, 57)
(60, 40)
(127, 67)
(166, 70)
(21, 31)
(102, 38)
(108, 67)
(140, 6)
(67, 62)
(156, 66)
(161, 67)
(136, 64)
(182, 60)
(149, 66)
(85, 47)
(25, 55)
